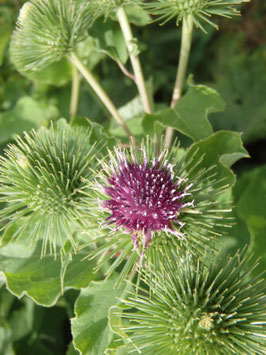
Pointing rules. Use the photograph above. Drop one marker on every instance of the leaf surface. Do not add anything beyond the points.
(190, 114)
(26, 273)
(91, 333)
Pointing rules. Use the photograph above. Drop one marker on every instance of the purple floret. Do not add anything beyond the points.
(143, 198)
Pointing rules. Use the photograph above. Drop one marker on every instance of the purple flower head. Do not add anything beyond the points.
(144, 196)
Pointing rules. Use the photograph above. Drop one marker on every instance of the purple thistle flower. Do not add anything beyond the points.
(166, 202)
(145, 197)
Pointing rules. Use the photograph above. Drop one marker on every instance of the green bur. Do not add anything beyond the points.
(200, 10)
(48, 30)
(198, 307)
(42, 182)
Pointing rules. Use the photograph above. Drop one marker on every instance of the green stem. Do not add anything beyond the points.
(135, 62)
(74, 92)
(187, 29)
(99, 91)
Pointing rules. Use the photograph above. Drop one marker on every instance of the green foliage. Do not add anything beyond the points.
(90, 326)
(190, 114)
(181, 297)
(57, 73)
(27, 114)
(198, 306)
(222, 149)
(251, 209)
(241, 82)
(26, 273)
(110, 40)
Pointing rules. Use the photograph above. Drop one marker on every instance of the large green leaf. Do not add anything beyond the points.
(190, 114)
(251, 208)
(222, 150)
(27, 114)
(26, 273)
(110, 40)
(91, 334)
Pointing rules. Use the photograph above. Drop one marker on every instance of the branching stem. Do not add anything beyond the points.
(187, 29)
(99, 91)
(135, 62)
(74, 92)
(126, 72)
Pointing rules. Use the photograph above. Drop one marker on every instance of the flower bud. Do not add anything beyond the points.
(42, 183)
(200, 10)
(46, 31)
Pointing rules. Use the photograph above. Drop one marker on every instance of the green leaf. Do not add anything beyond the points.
(71, 350)
(21, 320)
(6, 304)
(241, 82)
(251, 208)
(98, 132)
(190, 114)
(110, 40)
(5, 338)
(26, 273)
(132, 113)
(91, 334)
(87, 51)
(27, 114)
(57, 73)
(221, 149)
(137, 15)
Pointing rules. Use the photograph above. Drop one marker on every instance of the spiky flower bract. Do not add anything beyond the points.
(198, 307)
(46, 31)
(200, 10)
(42, 183)
(107, 8)
(148, 199)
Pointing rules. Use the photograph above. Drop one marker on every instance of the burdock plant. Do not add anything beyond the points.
(198, 306)
(151, 210)
(42, 183)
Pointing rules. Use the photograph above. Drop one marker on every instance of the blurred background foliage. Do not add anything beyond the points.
(232, 60)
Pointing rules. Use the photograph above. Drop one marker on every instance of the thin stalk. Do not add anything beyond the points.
(99, 91)
(187, 29)
(74, 92)
(135, 62)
